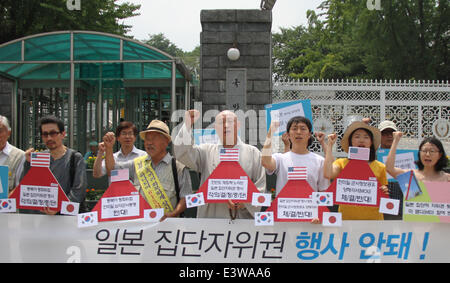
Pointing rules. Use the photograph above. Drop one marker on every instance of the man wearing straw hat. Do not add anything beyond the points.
(159, 178)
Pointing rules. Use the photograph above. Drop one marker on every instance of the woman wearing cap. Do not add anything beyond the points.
(357, 134)
(432, 160)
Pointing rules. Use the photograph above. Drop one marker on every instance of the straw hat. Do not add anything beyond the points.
(358, 125)
(157, 126)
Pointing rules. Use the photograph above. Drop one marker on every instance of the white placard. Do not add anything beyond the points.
(38, 196)
(427, 208)
(284, 115)
(297, 208)
(116, 207)
(221, 189)
(403, 161)
(356, 191)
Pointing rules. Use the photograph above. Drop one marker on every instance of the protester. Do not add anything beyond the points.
(204, 158)
(126, 134)
(432, 160)
(387, 128)
(299, 132)
(66, 164)
(161, 180)
(357, 134)
(10, 155)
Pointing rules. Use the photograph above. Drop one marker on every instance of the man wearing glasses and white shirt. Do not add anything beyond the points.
(126, 134)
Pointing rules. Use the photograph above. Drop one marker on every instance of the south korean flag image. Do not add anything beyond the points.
(7, 205)
(194, 200)
(87, 219)
(264, 218)
(322, 198)
(389, 206)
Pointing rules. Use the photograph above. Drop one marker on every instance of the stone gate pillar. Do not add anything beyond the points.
(243, 85)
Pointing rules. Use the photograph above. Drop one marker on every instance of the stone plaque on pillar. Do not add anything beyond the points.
(236, 89)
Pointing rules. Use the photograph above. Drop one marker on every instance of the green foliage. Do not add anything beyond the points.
(404, 40)
(26, 17)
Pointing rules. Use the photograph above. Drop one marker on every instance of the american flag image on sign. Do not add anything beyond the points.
(120, 175)
(359, 153)
(229, 154)
(297, 173)
(40, 159)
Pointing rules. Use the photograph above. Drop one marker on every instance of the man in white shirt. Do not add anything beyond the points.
(299, 131)
(10, 155)
(204, 158)
(126, 134)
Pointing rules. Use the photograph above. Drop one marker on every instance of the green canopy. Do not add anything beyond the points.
(45, 56)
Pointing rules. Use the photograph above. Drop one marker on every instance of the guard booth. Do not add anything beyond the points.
(91, 80)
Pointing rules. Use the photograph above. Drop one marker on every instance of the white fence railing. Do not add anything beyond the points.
(419, 108)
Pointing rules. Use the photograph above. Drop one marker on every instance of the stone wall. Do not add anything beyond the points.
(251, 31)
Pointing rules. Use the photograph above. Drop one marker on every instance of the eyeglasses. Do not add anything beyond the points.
(51, 134)
(127, 134)
(431, 152)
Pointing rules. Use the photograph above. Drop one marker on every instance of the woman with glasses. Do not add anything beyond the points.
(432, 160)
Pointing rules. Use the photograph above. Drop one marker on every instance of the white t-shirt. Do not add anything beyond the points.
(312, 161)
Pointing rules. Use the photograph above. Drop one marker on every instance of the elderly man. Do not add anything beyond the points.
(161, 180)
(205, 158)
(10, 155)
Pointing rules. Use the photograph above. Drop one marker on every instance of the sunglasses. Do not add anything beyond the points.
(51, 134)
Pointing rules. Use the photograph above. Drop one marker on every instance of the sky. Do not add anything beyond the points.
(179, 20)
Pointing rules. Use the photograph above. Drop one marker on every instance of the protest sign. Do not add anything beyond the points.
(284, 111)
(38, 190)
(4, 174)
(121, 201)
(404, 159)
(432, 205)
(228, 182)
(194, 240)
(295, 203)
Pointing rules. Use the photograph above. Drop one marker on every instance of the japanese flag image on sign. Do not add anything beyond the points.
(332, 219)
(7, 205)
(323, 198)
(194, 200)
(70, 208)
(39, 190)
(87, 219)
(40, 159)
(264, 219)
(389, 206)
(4, 176)
(260, 199)
(358, 153)
(153, 215)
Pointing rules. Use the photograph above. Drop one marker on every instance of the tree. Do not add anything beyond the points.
(26, 17)
(404, 40)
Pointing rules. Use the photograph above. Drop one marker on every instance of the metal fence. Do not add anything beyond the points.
(419, 108)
